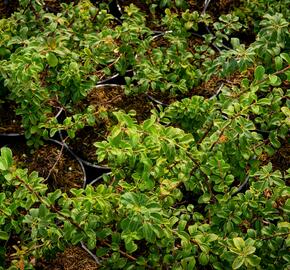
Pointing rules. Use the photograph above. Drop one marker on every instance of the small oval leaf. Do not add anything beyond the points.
(259, 73)
(52, 60)
(238, 262)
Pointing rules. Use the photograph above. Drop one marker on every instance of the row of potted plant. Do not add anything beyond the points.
(54, 60)
(191, 185)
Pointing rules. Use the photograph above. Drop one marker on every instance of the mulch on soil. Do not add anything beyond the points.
(58, 167)
(113, 98)
(73, 258)
(9, 121)
(281, 159)
(107, 98)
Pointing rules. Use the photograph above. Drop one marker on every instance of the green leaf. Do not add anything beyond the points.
(259, 73)
(238, 262)
(3, 164)
(34, 129)
(2, 197)
(6, 153)
(274, 140)
(239, 243)
(188, 263)
(4, 235)
(235, 42)
(212, 237)
(42, 211)
(182, 225)
(52, 60)
(93, 11)
(53, 131)
(192, 229)
(102, 251)
(52, 197)
(149, 123)
(253, 260)
(286, 57)
(264, 101)
(92, 239)
(278, 63)
(273, 79)
(71, 133)
(4, 51)
(249, 250)
(203, 258)
(205, 198)
(148, 232)
(5, 158)
(130, 246)
(76, 238)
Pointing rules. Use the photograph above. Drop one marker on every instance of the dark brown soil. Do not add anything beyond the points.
(108, 98)
(9, 121)
(54, 6)
(58, 167)
(215, 8)
(53, 164)
(165, 97)
(219, 7)
(206, 89)
(112, 98)
(7, 8)
(83, 143)
(152, 20)
(209, 88)
(73, 258)
(281, 159)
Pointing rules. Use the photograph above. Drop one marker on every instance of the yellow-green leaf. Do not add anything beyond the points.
(52, 60)
(238, 262)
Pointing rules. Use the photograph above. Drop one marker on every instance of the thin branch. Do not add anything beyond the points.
(89, 252)
(274, 235)
(57, 160)
(217, 92)
(130, 257)
(206, 133)
(205, 6)
(242, 185)
(275, 73)
(5, 214)
(62, 143)
(99, 178)
(51, 207)
(156, 101)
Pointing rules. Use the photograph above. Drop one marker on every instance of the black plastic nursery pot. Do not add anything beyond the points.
(53, 161)
(14, 131)
(7, 7)
(11, 138)
(116, 79)
(65, 171)
(64, 149)
(10, 123)
(115, 9)
(92, 173)
(102, 98)
(106, 99)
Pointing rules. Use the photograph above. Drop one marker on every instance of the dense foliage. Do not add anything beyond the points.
(192, 186)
